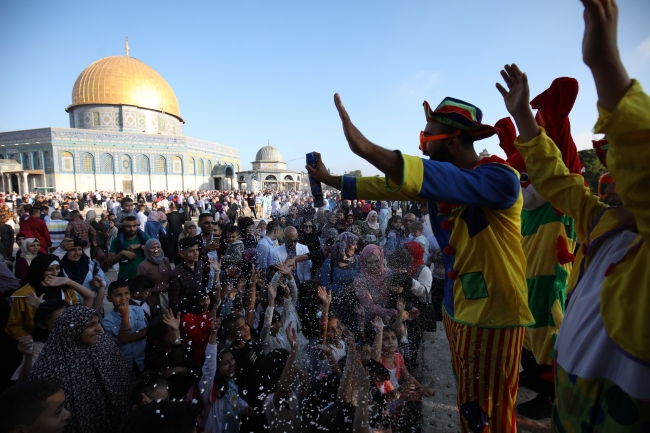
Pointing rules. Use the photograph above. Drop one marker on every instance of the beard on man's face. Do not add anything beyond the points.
(441, 153)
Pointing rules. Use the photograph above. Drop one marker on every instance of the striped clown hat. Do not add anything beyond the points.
(461, 115)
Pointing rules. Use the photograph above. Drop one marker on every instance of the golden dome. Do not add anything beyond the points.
(124, 80)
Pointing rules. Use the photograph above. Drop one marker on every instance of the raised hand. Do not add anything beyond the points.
(123, 309)
(401, 305)
(273, 292)
(292, 336)
(283, 268)
(599, 44)
(320, 172)
(357, 142)
(517, 100)
(216, 324)
(34, 300)
(51, 281)
(216, 264)
(26, 345)
(327, 351)
(254, 276)
(377, 322)
(324, 295)
(171, 321)
(517, 97)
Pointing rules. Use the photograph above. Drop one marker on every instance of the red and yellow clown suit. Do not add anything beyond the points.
(602, 360)
(548, 235)
(475, 215)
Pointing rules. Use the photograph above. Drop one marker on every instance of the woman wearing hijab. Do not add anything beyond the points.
(247, 232)
(29, 249)
(384, 216)
(157, 267)
(154, 227)
(330, 223)
(91, 370)
(245, 209)
(422, 279)
(82, 270)
(365, 210)
(338, 273)
(189, 229)
(45, 281)
(372, 285)
(221, 216)
(371, 226)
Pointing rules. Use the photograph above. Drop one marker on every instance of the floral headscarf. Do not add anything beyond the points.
(95, 378)
(377, 279)
(340, 248)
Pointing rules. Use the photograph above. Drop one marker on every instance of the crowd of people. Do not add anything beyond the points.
(271, 314)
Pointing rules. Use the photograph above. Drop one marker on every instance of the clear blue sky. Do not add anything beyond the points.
(248, 72)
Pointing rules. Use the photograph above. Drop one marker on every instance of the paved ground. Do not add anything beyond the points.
(440, 413)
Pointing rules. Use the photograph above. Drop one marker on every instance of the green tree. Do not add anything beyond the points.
(354, 173)
(593, 168)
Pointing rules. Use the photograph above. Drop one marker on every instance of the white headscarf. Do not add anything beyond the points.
(25, 251)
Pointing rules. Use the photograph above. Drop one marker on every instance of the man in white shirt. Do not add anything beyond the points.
(291, 249)
(142, 218)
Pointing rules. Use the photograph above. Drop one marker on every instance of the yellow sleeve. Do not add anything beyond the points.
(15, 327)
(378, 188)
(628, 158)
(554, 183)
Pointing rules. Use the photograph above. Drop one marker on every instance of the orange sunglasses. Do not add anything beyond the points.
(603, 182)
(424, 139)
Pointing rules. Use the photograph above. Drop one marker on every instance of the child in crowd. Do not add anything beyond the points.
(214, 255)
(195, 321)
(127, 325)
(416, 230)
(394, 234)
(149, 387)
(191, 272)
(332, 346)
(36, 406)
(281, 406)
(219, 392)
(235, 249)
(270, 336)
(140, 288)
(31, 345)
(168, 356)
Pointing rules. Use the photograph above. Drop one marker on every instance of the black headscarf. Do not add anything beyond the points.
(76, 271)
(37, 268)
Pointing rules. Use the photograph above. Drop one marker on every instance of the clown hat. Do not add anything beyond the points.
(461, 115)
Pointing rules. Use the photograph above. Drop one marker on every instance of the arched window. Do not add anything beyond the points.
(67, 161)
(48, 161)
(199, 167)
(161, 166)
(36, 156)
(88, 163)
(143, 164)
(190, 166)
(287, 177)
(126, 164)
(229, 172)
(27, 163)
(107, 163)
(208, 170)
(177, 165)
(270, 177)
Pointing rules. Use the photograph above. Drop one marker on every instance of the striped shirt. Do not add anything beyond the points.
(57, 231)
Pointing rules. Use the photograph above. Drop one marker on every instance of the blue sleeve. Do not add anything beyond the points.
(111, 327)
(491, 185)
(226, 308)
(326, 277)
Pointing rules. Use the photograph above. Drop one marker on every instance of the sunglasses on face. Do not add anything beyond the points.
(424, 139)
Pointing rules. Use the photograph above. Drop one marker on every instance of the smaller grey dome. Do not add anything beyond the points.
(268, 154)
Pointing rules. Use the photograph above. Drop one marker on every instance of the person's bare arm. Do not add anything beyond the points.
(600, 52)
(387, 161)
(378, 323)
(517, 100)
(284, 384)
(87, 295)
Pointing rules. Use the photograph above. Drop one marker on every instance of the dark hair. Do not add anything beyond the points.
(272, 226)
(45, 208)
(229, 321)
(189, 302)
(129, 218)
(24, 402)
(126, 200)
(140, 283)
(272, 368)
(400, 259)
(21, 235)
(205, 215)
(146, 382)
(43, 314)
(338, 417)
(187, 242)
(222, 385)
(233, 229)
(162, 417)
(116, 285)
(34, 211)
(156, 331)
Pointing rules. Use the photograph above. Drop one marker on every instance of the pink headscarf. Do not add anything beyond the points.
(380, 278)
